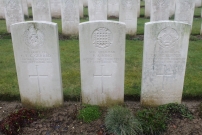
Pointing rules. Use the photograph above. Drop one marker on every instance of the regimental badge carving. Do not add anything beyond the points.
(113, 2)
(98, 4)
(12, 5)
(167, 37)
(160, 4)
(42, 6)
(128, 7)
(102, 38)
(34, 38)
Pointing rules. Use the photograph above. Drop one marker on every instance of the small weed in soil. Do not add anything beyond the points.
(174, 110)
(121, 121)
(154, 120)
(89, 113)
(13, 124)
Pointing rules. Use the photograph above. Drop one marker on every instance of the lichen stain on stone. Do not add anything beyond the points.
(38, 104)
(111, 102)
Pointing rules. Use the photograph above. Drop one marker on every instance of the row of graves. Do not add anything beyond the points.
(71, 11)
(102, 53)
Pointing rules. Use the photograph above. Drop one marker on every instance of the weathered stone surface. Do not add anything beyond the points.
(97, 10)
(147, 8)
(37, 60)
(164, 62)
(128, 15)
(70, 17)
(41, 10)
(113, 8)
(102, 59)
(13, 12)
(160, 10)
(185, 11)
(55, 8)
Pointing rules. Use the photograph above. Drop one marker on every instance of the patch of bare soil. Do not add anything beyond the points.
(62, 121)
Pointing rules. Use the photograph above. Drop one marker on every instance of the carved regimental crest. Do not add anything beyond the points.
(168, 37)
(12, 5)
(102, 38)
(34, 38)
(42, 6)
(161, 4)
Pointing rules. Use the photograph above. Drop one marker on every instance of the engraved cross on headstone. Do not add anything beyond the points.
(38, 76)
(102, 76)
(164, 75)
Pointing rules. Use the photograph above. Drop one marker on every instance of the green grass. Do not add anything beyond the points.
(89, 113)
(70, 62)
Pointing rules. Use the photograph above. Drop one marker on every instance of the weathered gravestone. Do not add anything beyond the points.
(85, 3)
(81, 8)
(25, 8)
(29, 3)
(2, 12)
(70, 17)
(164, 62)
(128, 15)
(102, 59)
(185, 11)
(37, 59)
(160, 10)
(97, 10)
(113, 8)
(55, 8)
(147, 8)
(198, 3)
(13, 12)
(41, 10)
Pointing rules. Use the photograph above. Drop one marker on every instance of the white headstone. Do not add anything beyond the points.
(81, 8)
(70, 17)
(128, 15)
(164, 62)
(198, 3)
(29, 3)
(160, 10)
(147, 8)
(85, 3)
(97, 10)
(2, 12)
(41, 10)
(13, 12)
(102, 59)
(25, 8)
(55, 8)
(185, 11)
(37, 58)
(113, 8)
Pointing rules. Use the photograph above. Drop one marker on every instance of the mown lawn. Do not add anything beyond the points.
(70, 62)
